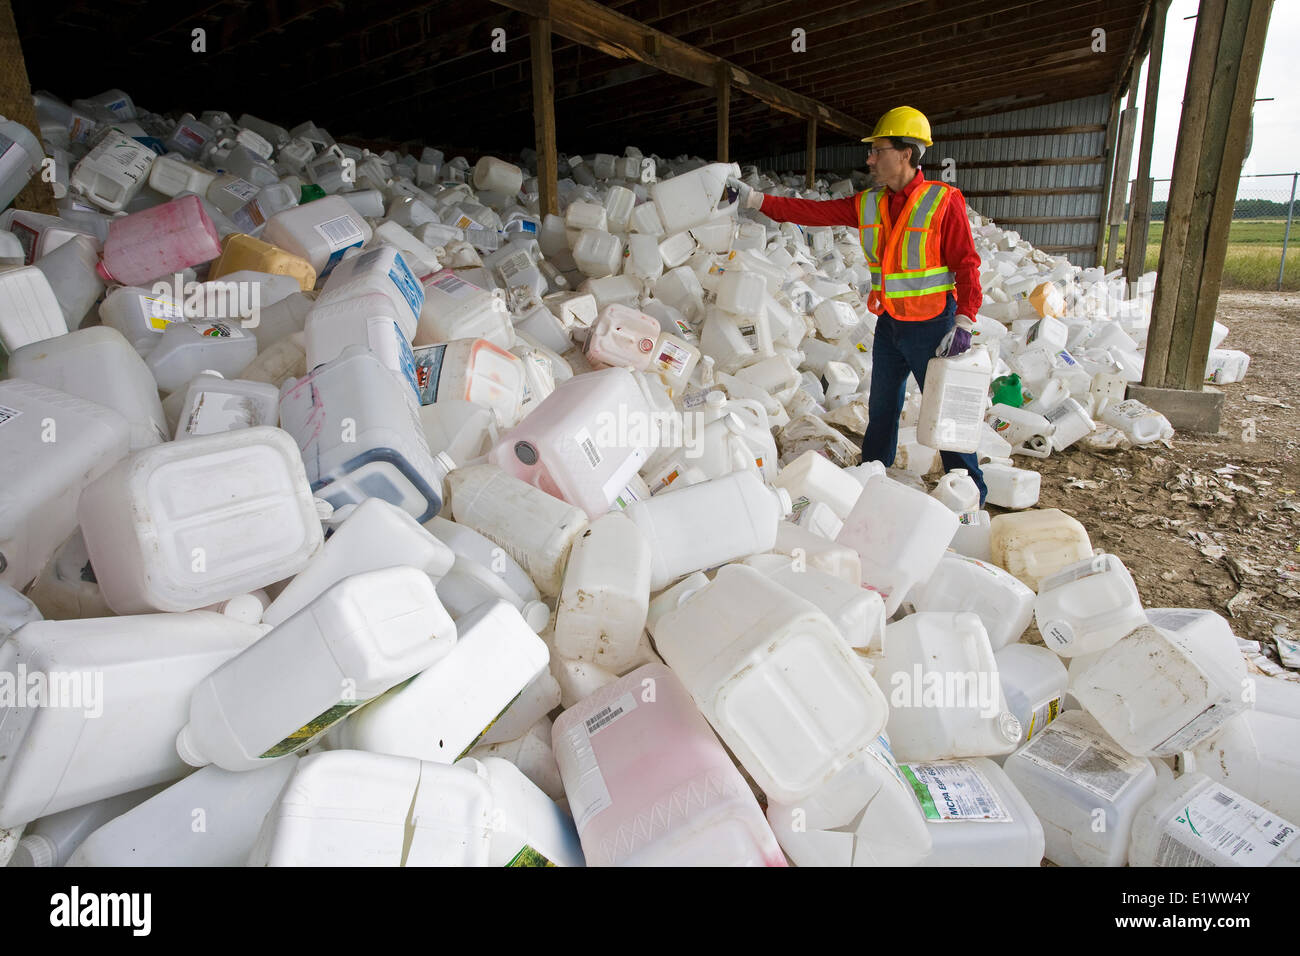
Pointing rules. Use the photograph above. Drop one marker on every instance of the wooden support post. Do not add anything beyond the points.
(1217, 102)
(1135, 239)
(539, 35)
(1108, 167)
(16, 104)
(810, 162)
(1123, 159)
(724, 113)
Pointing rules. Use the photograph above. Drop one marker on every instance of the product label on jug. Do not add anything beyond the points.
(1218, 827)
(318, 725)
(407, 358)
(1043, 714)
(588, 793)
(402, 277)
(428, 371)
(220, 330)
(249, 216)
(452, 284)
(1057, 634)
(8, 414)
(1095, 764)
(242, 189)
(673, 358)
(341, 233)
(27, 238)
(750, 334)
(962, 405)
(216, 412)
(1174, 619)
(589, 449)
(957, 791)
(529, 857)
(160, 312)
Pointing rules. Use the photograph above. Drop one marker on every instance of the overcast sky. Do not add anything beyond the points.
(1276, 147)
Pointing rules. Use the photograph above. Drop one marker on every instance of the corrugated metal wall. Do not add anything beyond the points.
(948, 161)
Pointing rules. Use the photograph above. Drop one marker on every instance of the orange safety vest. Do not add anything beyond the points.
(909, 279)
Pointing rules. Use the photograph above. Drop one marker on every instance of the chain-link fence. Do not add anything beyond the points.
(1259, 239)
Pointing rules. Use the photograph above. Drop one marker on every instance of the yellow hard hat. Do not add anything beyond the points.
(903, 121)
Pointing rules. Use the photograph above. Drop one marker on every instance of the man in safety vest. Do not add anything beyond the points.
(925, 281)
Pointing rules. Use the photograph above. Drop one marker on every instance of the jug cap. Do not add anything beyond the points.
(787, 503)
(34, 849)
(186, 750)
(1009, 727)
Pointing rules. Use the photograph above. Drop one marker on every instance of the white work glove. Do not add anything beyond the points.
(749, 198)
(965, 322)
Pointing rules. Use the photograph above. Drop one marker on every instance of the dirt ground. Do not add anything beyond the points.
(1214, 521)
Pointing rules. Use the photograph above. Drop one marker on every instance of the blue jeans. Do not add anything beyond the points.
(899, 348)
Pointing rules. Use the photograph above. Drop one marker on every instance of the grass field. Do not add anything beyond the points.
(1254, 251)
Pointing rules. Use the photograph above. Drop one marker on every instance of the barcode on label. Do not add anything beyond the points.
(8, 414)
(340, 232)
(452, 284)
(1223, 799)
(607, 715)
(589, 449)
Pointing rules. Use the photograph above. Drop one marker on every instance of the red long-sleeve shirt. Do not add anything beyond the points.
(955, 241)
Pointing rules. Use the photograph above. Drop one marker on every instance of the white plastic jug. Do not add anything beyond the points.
(900, 534)
(1084, 788)
(350, 808)
(108, 726)
(531, 753)
(1158, 693)
(20, 159)
(364, 635)
(370, 321)
(959, 583)
(359, 433)
(638, 752)
(455, 308)
(1258, 755)
(1033, 681)
(215, 404)
(187, 348)
(472, 370)
(602, 607)
(1195, 821)
(691, 198)
(976, 815)
(958, 491)
(1088, 606)
(1034, 545)
(938, 672)
(73, 278)
(857, 612)
(114, 170)
(953, 403)
(533, 527)
(774, 677)
(484, 571)
(624, 337)
(41, 481)
(813, 476)
(185, 524)
(381, 271)
(1139, 423)
(51, 840)
(528, 828)
(29, 310)
(161, 831)
(584, 441)
(888, 830)
(1009, 486)
(709, 523)
(319, 232)
(99, 365)
(444, 711)
(373, 536)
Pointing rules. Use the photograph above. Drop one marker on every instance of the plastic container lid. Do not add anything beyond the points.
(34, 850)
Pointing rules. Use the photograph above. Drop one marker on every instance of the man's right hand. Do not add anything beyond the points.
(749, 198)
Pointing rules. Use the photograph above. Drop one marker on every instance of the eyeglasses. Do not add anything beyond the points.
(877, 150)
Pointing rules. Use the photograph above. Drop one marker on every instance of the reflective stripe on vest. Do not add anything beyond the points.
(906, 279)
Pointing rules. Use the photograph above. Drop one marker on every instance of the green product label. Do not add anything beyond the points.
(922, 793)
(529, 857)
(483, 733)
(324, 721)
